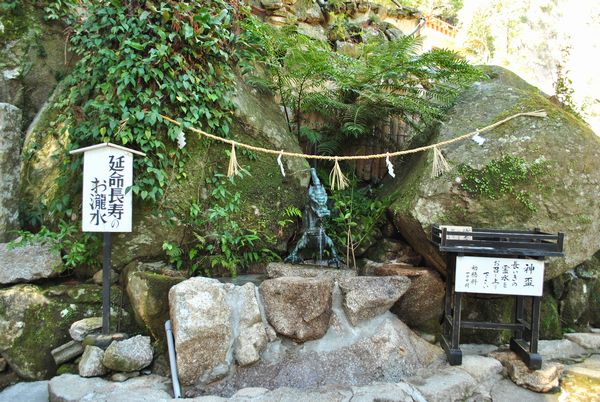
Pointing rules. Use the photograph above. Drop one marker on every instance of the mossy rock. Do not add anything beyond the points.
(264, 192)
(563, 197)
(43, 321)
(550, 327)
(149, 296)
(34, 55)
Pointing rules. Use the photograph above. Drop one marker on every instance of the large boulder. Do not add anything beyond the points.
(149, 294)
(298, 308)
(201, 318)
(28, 263)
(565, 152)
(366, 297)
(213, 324)
(33, 58)
(10, 144)
(35, 320)
(264, 193)
(424, 299)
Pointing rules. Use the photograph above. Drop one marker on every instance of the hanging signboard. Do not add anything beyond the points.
(107, 174)
(508, 276)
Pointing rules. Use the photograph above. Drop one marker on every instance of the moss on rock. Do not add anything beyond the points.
(567, 189)
(45, 321)
(149, 296)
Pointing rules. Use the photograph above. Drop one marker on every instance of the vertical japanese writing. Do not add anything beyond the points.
(515, 272)
(116, 166)
(496, 270)
(98, 202)
(474, 275)
(529, 268)
(504, 278)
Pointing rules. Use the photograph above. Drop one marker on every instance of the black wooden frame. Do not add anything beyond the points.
(494, 242)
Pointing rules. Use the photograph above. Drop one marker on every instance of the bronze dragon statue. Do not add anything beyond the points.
(314, 236)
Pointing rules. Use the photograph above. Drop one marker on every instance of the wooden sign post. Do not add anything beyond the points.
(107, 206)
(499, 262)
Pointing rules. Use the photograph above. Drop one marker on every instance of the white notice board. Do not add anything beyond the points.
(508, 276)
(107, 173)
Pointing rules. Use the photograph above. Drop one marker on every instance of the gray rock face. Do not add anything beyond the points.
(10, 144)
(367, 297)
(383, 350)
(90, 364)
(201, 319)
(424, 298)
(80, 329)
(562, 349)
(571, 150)
(587, 340)
(252, 337)
(28, 263)
(298, 308)
(129, 355)
(450, 384)
(36, 391)
(73, 388)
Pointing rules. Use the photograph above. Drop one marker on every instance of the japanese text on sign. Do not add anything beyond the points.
(510, 276)
(107, 173)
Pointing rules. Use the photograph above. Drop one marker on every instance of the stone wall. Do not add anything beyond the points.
(318, 326)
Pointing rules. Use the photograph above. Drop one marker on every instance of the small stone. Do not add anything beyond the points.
(102, 341)
(121, 377)
(132, 354)
(543, 380)
(251, 392)
(97, 278)
(80, 329)
(67, 352)
(586, 340)
(119, 336)
(91, 362)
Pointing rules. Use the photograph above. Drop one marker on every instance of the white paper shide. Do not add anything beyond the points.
(107, 173)
(509, 276)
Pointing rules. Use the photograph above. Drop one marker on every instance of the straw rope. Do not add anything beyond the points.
(537, 113)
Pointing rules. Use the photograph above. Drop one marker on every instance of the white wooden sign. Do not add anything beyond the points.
(508, 276)
(107, 174)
